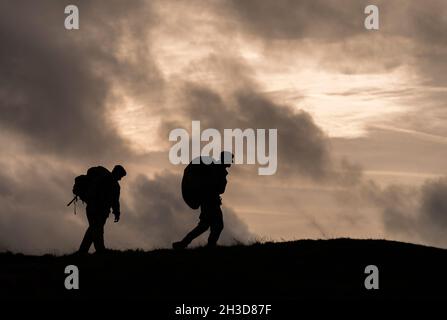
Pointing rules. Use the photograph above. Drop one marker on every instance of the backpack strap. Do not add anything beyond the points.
(74, 201)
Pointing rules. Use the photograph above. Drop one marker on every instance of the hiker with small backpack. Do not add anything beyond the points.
(202, 185)
(100, 190)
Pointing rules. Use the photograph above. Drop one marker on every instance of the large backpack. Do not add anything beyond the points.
(196, 182)
(88, 187)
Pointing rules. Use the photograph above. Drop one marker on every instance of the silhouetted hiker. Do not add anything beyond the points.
(206, 195)
(100, 189)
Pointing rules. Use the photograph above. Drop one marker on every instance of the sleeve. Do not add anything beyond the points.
(116, 199)
(221, 181)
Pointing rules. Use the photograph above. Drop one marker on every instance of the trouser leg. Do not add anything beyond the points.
(86, 241)
(216, 227)
(197, 231)
(95, 232)
(98, 234)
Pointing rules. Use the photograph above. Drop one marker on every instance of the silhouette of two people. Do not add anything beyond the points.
(100, 189)
(210, 204)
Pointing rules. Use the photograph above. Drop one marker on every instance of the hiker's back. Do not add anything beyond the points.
(215, 183)
(101, 186)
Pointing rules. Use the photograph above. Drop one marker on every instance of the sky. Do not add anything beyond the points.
(360, 115)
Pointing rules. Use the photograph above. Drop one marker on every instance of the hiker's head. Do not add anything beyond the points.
(226, 158)
(118, 172)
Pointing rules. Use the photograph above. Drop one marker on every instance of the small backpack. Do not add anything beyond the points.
(81, 187)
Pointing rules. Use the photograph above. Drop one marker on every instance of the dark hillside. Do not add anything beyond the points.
(289, 270)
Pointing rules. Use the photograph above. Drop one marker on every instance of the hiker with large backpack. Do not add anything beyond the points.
(100, 190)
(202, 185)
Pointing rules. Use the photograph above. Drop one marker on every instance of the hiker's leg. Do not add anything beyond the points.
(87, 241)
(197, 231)
(203, 225)
(98, 235)
(216, 226)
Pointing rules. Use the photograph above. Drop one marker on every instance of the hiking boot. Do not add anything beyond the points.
(179, 245)
(80, 254)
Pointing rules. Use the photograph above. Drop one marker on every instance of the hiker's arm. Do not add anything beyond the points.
(221, 182)
(116, 203)
(221, 186)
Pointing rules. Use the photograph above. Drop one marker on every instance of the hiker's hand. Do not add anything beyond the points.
(117, 218)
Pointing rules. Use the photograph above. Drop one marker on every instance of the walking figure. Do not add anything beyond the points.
(100, 189)
(202, 186)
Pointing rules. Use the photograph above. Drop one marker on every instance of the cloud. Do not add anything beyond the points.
(57, 85)
(238, 102)
(410, 34)
(34, 218)
(412, 213)
(418, 212)
(58, 89)
(288, 19)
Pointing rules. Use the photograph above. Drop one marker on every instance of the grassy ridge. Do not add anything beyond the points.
(286, 270)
